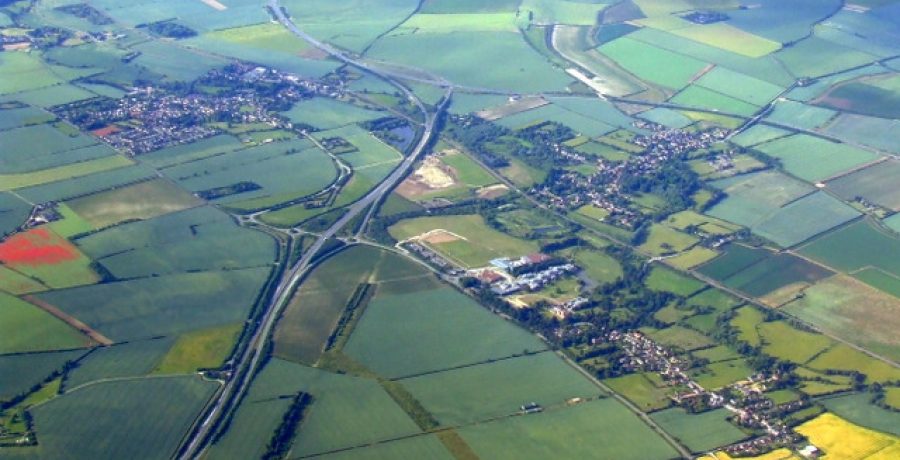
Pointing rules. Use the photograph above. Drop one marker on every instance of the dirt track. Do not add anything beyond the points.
(71, 321)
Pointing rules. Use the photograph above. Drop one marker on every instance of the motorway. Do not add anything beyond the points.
(245, 365)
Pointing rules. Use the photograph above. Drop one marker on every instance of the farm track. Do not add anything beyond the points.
(68, 319)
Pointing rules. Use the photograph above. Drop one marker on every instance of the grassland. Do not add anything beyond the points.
(653, 64)
(875, 183)
(167, 407)
(841, 439)
(603, 428)
(478, 244)
(805, 218)
(647, 391)
(799, 115)
(664, 279)
(853, 311)
(29, 179)
(664, 240)
(815, 57)
(699, 432)
(782, 341)
(24, 72)
(753, 196)
(700, 97)
(814, 159)
(722, 373)
(739, 86)
(678, 337)
(26, 328)
(396, 338)
(327, 113)
(466, 170)
(844, 358)
(201, 349)
(470, 394)
(597, 265)
(139, 201)
(855, 247)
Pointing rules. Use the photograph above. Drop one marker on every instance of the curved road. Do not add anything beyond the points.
(246, 364)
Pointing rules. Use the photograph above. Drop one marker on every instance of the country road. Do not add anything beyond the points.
(246, 364)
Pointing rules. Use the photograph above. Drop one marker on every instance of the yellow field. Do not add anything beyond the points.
(840, 439)
(778, 454)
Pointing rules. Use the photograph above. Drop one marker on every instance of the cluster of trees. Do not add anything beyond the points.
(171, 29)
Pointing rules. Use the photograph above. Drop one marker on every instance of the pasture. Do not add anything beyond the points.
(664, 279)
(581, 124)
(408, 334)
(722, 373)
(879, 133)
(814, 159)
(476, 244)
(26, 328)
(841, 357)
(140, 201)
(780, 340)
(757, 134)
(25, 71)
(814, 57)
(597, 265)
(853, 311)
(699, 432)
(663, 240)
(601, 428)
(494, 389)
(167, 406)
(678, 337)
(200, 349)
(174, 304)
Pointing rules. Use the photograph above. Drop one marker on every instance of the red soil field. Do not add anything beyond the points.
(37, 246)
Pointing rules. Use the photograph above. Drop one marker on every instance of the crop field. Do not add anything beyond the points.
(699, 432)
(265, 36)
(85, 183)
(281, 171)
(573, 43)
(602, 428)
(579, 123)
(684, 219)
(327, 113)
(561, 12)
(466, 170)
(458, 56)
(863, 98)
(652, 64)
(477, 243)
(40, 253)
(470, 394)
(26, 328)
(24, 72)
(44, 146)
(24, 116)
(201, 349)
(701, 97)
(176, 63)
(857, 246)
(315, 309)
(289, 62)
(770, 274)
(397, 336)
(736, 258)
(739, 86)
(664, 240)
(853, 311)
(208, 147)
(666, 117)
(729, 38)
(139, 201)
(879, 133)
(805, 218)
(716, 354)
(757, 134)
(196, 239)
(814, 159)
(799, 115)
(842, 357)
(842, 439)
(370, 150)
(426, 23)
(13, 212)
(814, 57)
(647, 391)
(164, 305)
(858, 409)
(428, 446)
(875, 183)
(664, 279)
(167, 406)
(755, 195)
(133, 359)
(20, 372)
(29, 179)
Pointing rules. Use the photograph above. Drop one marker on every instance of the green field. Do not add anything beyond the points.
(663, 240)
(771, 273)
(408, 334)
(852, 310)
(722, 373)
(703, 98)
(208, 147)
(164, 305)
(841, 357)
(562, 11)
(678, 337)
(875, 183)
(21, 372)
(598, 429)
(482, 392)
(751, 197)
(664, 279)
(739, 86)
(579, 123)
(652, 64)
(25, 328)
(782, 341)
(805, 218)
(201, 349)
(879, 133)
(858, 409)
(24, 71)
(814, 159)
(125, 360)
(855, 247)
(44, 176)
(646, 391)
(478, 244)
(597, 265)
(798, 115)
(813, 57)
(139, 201)
(202, 238)
(467, 171)
(574, 44)
(699, 432)
(327, 113)
(757, 134)
(167, 406)
(428, 446)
